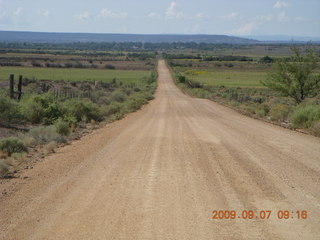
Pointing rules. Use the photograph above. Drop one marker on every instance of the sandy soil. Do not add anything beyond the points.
(160, 172)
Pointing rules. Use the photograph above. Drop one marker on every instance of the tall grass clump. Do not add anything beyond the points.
(62, 127)
(42, 109)
(307, 117)
(12, 145)
(9, 111)
(82, 110)
(45, 134)
(279, 112)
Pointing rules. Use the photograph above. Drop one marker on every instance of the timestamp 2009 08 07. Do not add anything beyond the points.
(262, 214)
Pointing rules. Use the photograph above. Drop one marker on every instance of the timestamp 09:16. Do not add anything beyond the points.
(262, 214)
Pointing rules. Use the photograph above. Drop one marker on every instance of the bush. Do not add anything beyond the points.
(266, 59)
(12, 145)
(82, 110)
(315, 129)
(42, 109)
(279, 112)
(43, 135)
(262, 110)
(9, 111)
(135, 103)
(118, 96)
(111, 109)
(4, 168)
(62, 127)
(306, 117)
(181, 79)
(194, 84)
(109, 66)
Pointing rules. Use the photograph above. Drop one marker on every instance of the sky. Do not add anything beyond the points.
(228, 17)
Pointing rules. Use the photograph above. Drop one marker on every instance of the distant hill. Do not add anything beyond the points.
(41, 37)
(284, 38)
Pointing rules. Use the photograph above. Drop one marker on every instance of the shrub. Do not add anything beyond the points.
(9, 111)
(42, 109)
(43, 135)
(49, 148)
(262, 110)
(111, 109)
(279, 112)
(135, 103)
(82, 110)
(12, 145)
(62, 127)
(4, 168)
(194, 84)
(181, 79)
(27, 140)
(306, 116)
(104, 100)
(109, 66)
(266, 59)
(118, 96)
(315, 129)
(97, 95)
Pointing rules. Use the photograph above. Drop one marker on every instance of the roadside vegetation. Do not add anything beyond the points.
(60, 105)
(282, 89)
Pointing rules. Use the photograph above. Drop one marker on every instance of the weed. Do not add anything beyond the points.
(5, 167)
(118, 96)
(62, 127)
(12, 145)
(44, 135)
(306, 116)
(9, 111)
(279, 112)
(83, 110)
(315, 129)
(49, 148)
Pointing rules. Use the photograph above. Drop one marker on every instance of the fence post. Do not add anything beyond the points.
(11, 86)
(20, 87)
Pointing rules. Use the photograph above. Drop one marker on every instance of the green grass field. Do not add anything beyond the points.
(230, 78)
(73, 74)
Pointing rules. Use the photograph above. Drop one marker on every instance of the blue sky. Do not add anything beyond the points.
(231, 17)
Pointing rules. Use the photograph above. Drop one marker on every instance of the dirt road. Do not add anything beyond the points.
(161, 172)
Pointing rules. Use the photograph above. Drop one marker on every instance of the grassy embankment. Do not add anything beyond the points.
(238, 84)
(60, 104)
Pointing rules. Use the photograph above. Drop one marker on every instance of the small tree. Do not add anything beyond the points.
(296, 78)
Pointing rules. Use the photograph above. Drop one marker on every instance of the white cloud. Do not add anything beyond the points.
(266, 18)
(280, 4)
(201, 16)
(230, 16)
(2, 13)
(154, 15)
(1, 5)
(106, 13)
(246, 29)
(196, 29)
(18, 11)
(44, 13)
(123, 29)
(83, 16)
(300, 19)
(172, 11)
(281, 16)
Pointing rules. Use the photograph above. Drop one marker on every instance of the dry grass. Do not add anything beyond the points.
(50, 147)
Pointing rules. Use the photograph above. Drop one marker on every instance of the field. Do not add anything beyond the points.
(74, 74)
(236, 80)
(64, 96)
(228, 78)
